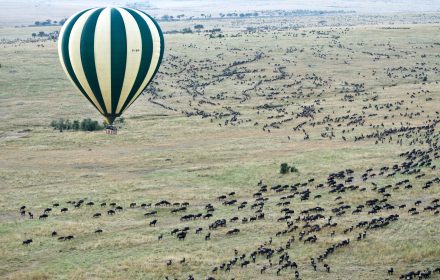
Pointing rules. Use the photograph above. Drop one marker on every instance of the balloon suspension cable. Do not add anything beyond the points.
(110, 120)
(110, 128)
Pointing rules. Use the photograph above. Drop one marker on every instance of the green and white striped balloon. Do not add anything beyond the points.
(111, 55)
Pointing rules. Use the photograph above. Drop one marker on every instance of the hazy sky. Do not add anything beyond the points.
(17, 12)
(367, 6)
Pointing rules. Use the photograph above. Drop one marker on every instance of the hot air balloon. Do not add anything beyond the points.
(111, 55)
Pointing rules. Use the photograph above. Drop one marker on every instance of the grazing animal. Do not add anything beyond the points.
(390, 271)
(43, 217)
(233, 231)
(152, 213)
(27, 241)
(181, 235)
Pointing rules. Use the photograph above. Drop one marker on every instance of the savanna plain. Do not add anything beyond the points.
(348, 103)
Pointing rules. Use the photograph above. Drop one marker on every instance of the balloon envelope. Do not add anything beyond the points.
(111, 55)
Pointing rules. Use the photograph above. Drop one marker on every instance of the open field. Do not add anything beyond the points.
(343, 103)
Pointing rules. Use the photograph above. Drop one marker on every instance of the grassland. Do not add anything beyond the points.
(161, 154)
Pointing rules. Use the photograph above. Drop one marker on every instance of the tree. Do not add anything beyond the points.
(75, 125)
(187, 30)
(165, 18)
(284, 168)
(198, 26)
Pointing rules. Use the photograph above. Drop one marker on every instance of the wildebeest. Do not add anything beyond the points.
(181, 235)
(27, 241)
(233, 231)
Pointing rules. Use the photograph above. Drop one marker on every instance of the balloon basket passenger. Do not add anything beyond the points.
(111, 129)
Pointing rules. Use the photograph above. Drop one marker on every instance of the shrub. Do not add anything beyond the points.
(198, 26)
(75, 125)
(284, 168)
(187, 30)
(293, 169)
(90, 125)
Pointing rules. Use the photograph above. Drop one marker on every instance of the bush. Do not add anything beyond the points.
(120, 120)
(285, 168)
(75, 125)
(186, 30)
(90, 125)
(198, 26)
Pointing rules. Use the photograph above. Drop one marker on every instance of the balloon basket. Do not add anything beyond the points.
(111, 130)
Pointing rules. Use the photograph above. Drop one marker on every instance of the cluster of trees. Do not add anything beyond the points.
(49, 22)
(207, 16)
(255, 14)
(198, 28)
(84, 125)
(300, 12)
(285, 168)
(187, 30)
(183, 31)
(42, 34)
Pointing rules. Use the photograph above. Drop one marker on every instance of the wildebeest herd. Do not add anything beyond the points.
(360, 89)
(297, 216)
